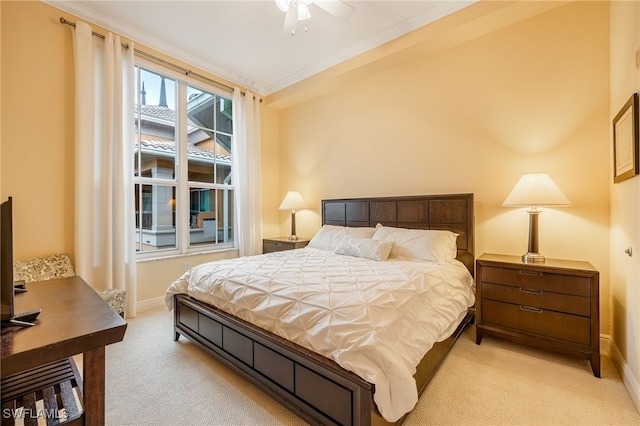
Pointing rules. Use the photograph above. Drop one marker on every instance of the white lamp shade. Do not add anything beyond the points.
(292, 201)
(536, 189)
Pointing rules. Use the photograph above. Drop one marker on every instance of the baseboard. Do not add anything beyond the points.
(605, 344)
(148, 304)
(630, 382)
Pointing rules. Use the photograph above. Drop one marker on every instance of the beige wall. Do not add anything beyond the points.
(625, 206)
(532, 96)
(37, 131)
(1, 193)
(270, 152)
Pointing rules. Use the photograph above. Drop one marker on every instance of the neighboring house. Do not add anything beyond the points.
(209, 160)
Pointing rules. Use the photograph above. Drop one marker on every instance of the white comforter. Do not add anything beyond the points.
(377, 319)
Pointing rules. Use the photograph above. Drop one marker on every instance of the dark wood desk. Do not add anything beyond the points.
(74, 320)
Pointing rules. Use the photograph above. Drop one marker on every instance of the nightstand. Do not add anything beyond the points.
(553, 305)
(269, 245)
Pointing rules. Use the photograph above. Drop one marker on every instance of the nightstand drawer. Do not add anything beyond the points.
(536, 280)
(570, 304)
(570, 328)
(271, 246)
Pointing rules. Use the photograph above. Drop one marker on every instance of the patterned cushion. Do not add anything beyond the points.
(59, 266)
(43, 268)
(115, 299)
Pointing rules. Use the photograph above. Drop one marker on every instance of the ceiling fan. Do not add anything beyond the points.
(298, 10)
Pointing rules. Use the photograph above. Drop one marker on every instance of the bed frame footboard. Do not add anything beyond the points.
(314, 387)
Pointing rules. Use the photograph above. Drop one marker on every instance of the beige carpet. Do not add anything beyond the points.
(152, 380)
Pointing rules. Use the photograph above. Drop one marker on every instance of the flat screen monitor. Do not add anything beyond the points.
(6, 259)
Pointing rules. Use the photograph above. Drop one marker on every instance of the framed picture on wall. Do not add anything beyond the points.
(625, 141)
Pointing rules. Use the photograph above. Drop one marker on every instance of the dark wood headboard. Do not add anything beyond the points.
(453, 212)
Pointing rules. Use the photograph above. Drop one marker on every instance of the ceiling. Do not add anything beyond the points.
(242, 41)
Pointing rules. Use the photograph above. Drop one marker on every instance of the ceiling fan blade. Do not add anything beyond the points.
(337, 8)
(291, 19)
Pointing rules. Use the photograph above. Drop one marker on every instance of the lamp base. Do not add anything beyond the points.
(293, 236)
(532, 258)
(532, 255)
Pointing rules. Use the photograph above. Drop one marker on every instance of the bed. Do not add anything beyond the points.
(301, 367)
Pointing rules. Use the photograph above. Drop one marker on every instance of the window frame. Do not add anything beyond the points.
(181, 183)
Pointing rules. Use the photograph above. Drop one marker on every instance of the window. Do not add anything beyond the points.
(184, 194)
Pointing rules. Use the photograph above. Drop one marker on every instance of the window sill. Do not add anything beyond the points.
(161, 257)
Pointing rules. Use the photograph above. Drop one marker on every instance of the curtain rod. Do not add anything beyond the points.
(160, 60)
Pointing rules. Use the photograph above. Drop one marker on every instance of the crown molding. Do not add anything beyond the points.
(438, 10)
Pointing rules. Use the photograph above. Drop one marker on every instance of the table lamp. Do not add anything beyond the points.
(533, 190)
(293, 201)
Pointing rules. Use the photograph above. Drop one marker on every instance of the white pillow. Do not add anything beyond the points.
(329, 236)
(364, 247)
(419, 244)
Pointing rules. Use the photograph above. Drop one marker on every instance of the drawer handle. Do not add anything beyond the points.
(533, 273)
(277, 244)
(530, 291)
(531, 309)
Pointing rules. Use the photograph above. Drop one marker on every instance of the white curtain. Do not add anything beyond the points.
(105, 253)
(246, 171)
